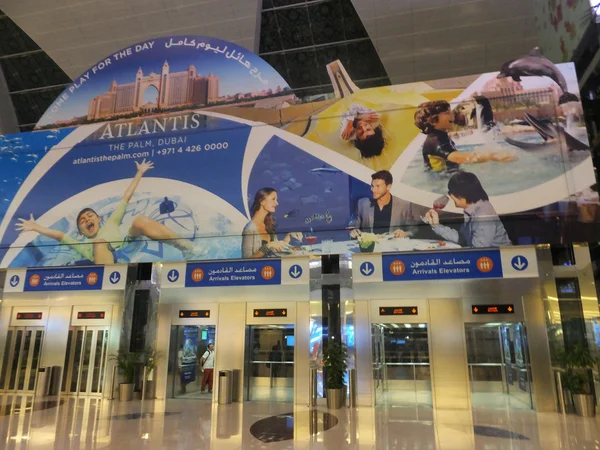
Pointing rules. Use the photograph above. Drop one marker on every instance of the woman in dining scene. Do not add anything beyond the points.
(482, 227)
(259, 238)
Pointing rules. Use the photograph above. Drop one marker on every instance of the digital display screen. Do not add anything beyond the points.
(91, 315)
(493, 309)
(567, 287)
(398, 311)
(194, 313)
(289, 340)
(29, 316)
(270, 313)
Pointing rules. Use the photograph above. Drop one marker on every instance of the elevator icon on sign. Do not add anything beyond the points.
(397, 267)
(268, 272)
(485, 264)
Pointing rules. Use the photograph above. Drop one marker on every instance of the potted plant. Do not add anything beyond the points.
(126, 364)
(335, 366)
(367, 241)
(576, 379)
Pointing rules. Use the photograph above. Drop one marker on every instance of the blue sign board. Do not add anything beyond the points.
(115, 277)
(442, 265)
(519, 263)
(233, 273)
(69, 279)
(367, 268)
(173, 275)
(295, 271)
(15, 280)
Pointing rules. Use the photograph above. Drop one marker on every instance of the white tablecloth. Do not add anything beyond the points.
(383, 246)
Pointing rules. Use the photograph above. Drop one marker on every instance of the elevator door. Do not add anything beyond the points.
(401, 372)
(499, 368)
(270, 363)
(188, 344)
(21, 359)
(85, 360)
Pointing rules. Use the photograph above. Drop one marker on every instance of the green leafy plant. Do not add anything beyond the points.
(335, 365)
(149, 358)
(575, 382)
(577, 364)
(126, 364)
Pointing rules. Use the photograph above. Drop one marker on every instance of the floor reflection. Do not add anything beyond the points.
(15, 404)
(281, 427)
(72, 423)
(145, 415)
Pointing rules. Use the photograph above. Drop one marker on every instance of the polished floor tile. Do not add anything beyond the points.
(90, 423)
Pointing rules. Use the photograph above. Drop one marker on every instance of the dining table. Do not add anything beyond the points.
(385, 244)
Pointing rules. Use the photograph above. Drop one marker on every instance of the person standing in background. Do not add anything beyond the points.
(208, 367)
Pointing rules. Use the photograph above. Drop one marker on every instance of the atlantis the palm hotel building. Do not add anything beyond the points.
(299, 224)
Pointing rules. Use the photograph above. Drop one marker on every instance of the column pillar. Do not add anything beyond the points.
(453, 419)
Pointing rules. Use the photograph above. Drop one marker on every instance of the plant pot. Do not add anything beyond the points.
(367, 247)
(336, 398)
(585, 405)
(126, 392)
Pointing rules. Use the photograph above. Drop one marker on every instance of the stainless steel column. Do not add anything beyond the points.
(352, 388)
(313, 387)
(450, 375)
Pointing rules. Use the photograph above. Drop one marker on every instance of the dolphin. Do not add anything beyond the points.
(536, 65)
(551, 134)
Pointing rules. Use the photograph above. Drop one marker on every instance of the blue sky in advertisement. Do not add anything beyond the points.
(234, 76)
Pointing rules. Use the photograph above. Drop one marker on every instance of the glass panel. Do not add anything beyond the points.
(67, 360)
(97, 361)
(271, 359)
(103, 367)
(378, 362)
(76, 361)
(15, 363)
(24, 360)
(316, 342)
(404, 365)
(85, 366)
(498, 369)
(37, 347)
(5, 362)
(189, 346)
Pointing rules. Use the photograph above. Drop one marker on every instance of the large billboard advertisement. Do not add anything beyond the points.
(192, 148)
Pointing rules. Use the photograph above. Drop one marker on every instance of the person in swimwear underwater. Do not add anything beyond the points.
(361, 126)
(435, 119)
(101, 241)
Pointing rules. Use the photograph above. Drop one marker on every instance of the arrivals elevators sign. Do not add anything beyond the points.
(191, 148)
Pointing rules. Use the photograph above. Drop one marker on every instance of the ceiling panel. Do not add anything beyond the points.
(76, 34)
(424, 39)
